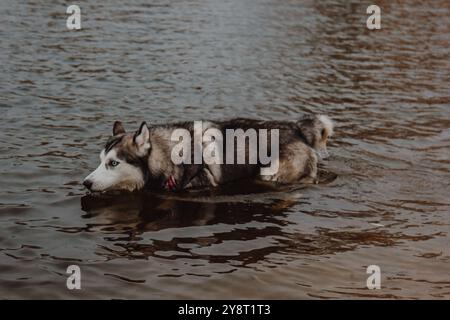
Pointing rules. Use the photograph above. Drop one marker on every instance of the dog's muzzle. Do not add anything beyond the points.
(88, 184)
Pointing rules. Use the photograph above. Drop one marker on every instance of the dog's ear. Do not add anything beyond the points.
(142, 139)
(118, 128)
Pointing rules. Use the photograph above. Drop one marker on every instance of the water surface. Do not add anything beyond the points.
(387, 90)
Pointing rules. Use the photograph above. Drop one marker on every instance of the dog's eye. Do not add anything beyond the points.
(114, 163)
(322, 133)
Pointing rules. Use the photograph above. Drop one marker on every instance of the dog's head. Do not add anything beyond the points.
(317, 129)
(123, 161)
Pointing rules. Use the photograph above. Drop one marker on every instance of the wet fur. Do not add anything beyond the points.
(298, 143)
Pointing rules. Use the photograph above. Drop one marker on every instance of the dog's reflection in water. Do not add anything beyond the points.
(145, 211)
(148, 211)
(231, 216)
(235, 203)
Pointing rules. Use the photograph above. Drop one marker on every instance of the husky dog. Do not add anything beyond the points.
(142, 159)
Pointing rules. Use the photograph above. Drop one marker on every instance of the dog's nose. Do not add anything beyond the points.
(87, 184)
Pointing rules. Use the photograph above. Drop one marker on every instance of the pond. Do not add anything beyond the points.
(384, 195)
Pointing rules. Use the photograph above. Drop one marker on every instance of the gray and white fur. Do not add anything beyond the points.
(142, 159)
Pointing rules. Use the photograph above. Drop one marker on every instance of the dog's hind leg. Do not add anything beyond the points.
(203, 179)
(297, 163)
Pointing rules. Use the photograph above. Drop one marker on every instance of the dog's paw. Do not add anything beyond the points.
(171, 184)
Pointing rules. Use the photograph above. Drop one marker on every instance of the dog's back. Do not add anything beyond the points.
(296, 161)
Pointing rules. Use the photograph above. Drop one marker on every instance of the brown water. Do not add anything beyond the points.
(387, 90)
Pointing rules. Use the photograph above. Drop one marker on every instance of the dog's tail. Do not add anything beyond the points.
(315, 131)
(327, 126)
